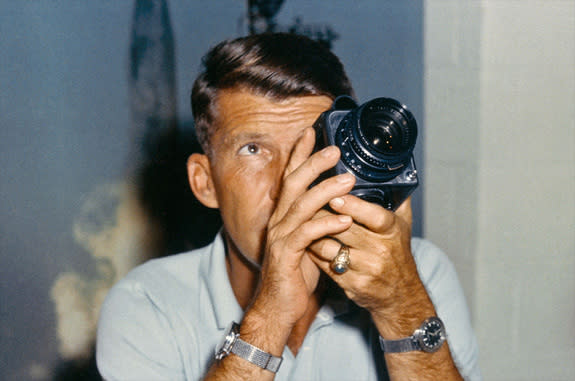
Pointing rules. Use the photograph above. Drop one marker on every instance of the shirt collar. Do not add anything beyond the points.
(226, 307)
(335, 305)
(224, 303)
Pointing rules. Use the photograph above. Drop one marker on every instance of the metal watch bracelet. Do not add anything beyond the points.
(256, 356)
(231, 343)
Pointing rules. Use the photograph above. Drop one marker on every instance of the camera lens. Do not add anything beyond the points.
(386, 126)
(381, 135)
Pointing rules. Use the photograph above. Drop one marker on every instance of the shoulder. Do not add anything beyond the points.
(422, 248)
(436, 271)
(140, 322)
(440, 279)
(178, 267)
(161, 279)
(431, 261)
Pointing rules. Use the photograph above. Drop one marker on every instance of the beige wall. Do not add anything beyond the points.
(500, 172)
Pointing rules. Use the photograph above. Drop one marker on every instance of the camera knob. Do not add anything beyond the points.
(411, 175)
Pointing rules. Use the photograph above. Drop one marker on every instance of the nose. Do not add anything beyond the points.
(277, 175)
(281, 161)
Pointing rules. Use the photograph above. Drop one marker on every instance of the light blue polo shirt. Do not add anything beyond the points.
(165, 318)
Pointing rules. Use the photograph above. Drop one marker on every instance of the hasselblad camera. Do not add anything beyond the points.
(376, 140)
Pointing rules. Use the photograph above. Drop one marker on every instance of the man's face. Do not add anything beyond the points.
(250, 149)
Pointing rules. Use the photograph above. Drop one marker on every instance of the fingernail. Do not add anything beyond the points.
(345, 178)
(344, 219)
(308, 131)
(329, 151)
(337, 202)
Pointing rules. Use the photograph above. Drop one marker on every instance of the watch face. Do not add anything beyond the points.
(225, 346)
(431, 335)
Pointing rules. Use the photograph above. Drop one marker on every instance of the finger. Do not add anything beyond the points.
(313, 200)
(324, 251)
(327, 248)
(361, 263)
(303, 236)
(374, 217)
(405, 212)
(301, 151)
(299, 180)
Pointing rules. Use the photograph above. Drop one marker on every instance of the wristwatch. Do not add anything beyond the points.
(231, 343)
(429, 337)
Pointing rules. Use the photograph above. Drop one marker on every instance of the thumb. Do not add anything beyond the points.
(404, 212)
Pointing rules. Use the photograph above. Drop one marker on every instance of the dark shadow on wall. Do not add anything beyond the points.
(162, 182)
(175, 220)
(163, 143)
(181, 223)
(78, 370)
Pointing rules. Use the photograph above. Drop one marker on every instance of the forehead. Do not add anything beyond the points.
(241, 111)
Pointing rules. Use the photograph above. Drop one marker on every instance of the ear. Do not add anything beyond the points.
(200, 178)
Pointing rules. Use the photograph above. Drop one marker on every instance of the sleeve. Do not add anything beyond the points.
(442, 284)
(135, 340)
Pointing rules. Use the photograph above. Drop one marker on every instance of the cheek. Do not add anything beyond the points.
(247, 187)
(246, 207)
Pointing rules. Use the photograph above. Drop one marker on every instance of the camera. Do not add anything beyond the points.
(376, 140)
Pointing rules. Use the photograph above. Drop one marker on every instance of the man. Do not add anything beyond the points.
(272, 268)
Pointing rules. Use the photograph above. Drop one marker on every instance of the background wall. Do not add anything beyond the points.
(71, 220)
(500, 165)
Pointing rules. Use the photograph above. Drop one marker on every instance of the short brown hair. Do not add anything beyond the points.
(275, 65)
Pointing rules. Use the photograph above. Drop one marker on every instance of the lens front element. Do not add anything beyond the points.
(377, 139)
(381, 132)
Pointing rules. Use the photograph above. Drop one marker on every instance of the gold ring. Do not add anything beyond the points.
(340, 262)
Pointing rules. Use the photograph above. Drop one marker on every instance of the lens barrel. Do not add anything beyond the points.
(377, 139)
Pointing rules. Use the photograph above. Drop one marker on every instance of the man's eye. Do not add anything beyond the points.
(249, 149)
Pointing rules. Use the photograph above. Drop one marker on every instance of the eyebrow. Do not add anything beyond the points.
(242, 137)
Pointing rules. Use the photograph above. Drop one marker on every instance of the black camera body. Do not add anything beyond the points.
(376, 140)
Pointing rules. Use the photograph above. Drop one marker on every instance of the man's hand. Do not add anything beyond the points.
(288, 276)
(382, 275)
(383, 278)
